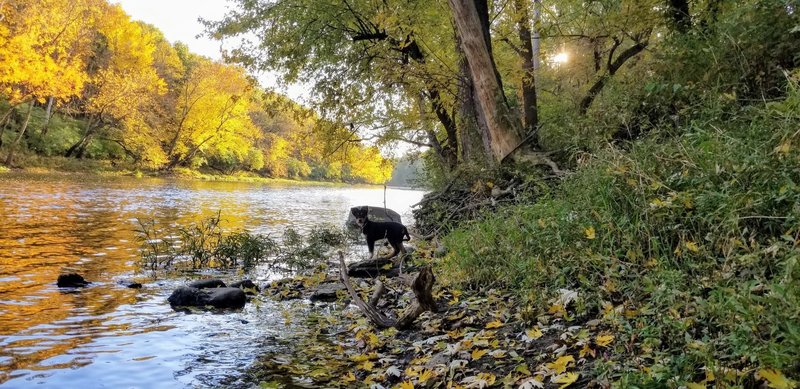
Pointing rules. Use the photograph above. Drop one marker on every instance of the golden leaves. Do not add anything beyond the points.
(604, 340)
(566, 379)
(532, 334)
(775, 379)
(494, 324)
(589, 233)
(560, 364)
(478, 353)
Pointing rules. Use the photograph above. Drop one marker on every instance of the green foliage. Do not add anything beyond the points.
(205, 244)
(245, 249)
(696, 234)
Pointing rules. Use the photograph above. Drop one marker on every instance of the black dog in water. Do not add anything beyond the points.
(391, 231)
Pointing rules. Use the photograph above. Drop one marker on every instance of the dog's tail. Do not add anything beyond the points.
(406, 235)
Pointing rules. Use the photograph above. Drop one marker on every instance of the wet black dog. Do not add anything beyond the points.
(393, 232)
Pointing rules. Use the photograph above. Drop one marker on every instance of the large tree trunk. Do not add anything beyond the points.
(10, 157)
(503, 129)
(529, 105)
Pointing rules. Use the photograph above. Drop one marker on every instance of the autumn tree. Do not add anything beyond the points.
(211, 113)
(43, 46)
(123, 83)
(367, 60)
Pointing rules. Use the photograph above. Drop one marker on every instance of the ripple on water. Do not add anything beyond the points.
(110, 336)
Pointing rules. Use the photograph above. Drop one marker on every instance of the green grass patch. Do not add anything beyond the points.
(687, 245)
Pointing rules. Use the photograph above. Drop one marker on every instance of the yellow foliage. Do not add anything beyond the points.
(776, 379)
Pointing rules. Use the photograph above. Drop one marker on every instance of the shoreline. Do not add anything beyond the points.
(105, 169)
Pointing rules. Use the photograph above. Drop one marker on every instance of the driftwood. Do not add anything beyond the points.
(421, 286)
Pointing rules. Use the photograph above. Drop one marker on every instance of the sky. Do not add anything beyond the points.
(178, 20)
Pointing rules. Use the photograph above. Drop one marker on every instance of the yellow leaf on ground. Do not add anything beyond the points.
(494, 324)
(349, 377)
(776, 379)
(405, 385)
(698, 385)
(556, 309)
(566, 379)
(586, 350)
(367, 365)
(589, 233)
(604, 340)
(426, 375)
(478, 353)
(533, 333)
(560, 364)
(691, 246)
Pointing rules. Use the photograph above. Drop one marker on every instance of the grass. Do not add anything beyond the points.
(686, 244)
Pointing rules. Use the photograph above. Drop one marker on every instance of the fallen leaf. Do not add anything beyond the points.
(589, 233)
(566, 379)
(775, 379)
(691, 246)
(530, 383)
(478, 353)
(696, 385)
(586, 350)
(604, 340)
(405, 385)
(560, 364)
(494, 324)
(426, 375)
(349, 377)
(532, 334)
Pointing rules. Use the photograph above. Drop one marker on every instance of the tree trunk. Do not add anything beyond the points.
(600, 83)
(79, 148)
(48, 114)
(529, 104)
(5, 120)
(537, 26)
(10, 157)
(503, 134)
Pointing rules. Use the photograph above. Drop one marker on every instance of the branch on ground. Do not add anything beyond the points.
(423, 301)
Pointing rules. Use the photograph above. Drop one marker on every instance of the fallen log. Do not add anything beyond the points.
(422, 287)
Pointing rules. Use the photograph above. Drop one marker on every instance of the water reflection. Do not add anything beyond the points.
(107, 335)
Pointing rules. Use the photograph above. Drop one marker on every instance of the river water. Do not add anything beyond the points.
(108, 336)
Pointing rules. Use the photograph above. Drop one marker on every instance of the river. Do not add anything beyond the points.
(108, 336)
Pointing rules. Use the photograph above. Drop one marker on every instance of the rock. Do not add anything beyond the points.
(371, 268)
(378, 214)
(187, 296)
(209, 283)
(226, 297)
(326, 291)
(246, 284)
(71, 280)
(130, 284)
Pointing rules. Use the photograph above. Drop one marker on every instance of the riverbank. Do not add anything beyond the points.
(475, 338)
(35, 164)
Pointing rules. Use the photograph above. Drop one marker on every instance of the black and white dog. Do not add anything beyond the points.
(393, 232)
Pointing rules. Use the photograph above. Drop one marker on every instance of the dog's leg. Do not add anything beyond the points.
(371, 247)
(398, 248)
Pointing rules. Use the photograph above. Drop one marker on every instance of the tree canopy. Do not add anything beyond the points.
(142, 100)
